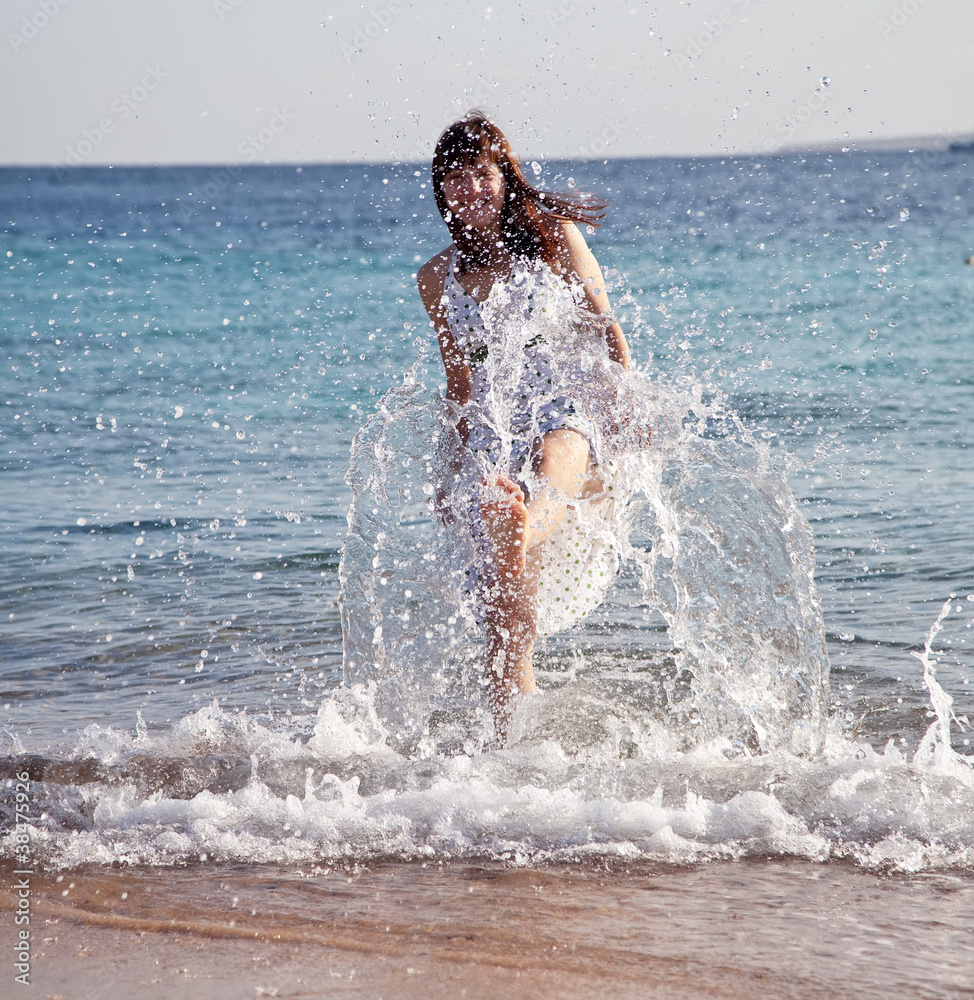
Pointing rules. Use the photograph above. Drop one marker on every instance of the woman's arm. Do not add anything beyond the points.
(430, 280)
(578, 263)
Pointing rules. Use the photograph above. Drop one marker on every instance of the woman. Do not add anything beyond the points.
(517, 260)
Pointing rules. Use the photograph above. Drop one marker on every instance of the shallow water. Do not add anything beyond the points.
(183, 381)
(781, 928)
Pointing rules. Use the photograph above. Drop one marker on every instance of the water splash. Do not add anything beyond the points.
(229, 787)
(701, 519)
(586, 777)
(935, 746)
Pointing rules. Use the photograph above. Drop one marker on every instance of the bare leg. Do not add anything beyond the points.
(506, 518)
(516, 527)
(511, 631)
(517, 531)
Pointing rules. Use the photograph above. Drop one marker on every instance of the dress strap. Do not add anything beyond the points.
(452, 288)
(451, 274)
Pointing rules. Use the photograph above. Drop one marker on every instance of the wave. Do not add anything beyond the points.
(576, 782)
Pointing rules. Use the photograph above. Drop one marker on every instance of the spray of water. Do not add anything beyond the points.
(935, 748)
(693, 512)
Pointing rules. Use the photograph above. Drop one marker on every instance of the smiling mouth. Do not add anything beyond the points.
(474, 209)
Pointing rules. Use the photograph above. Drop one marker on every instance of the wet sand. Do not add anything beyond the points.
(775, 929)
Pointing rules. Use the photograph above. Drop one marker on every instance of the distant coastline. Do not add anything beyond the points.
(940, 142)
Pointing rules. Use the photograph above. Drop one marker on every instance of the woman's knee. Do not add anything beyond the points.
(563, 462)
(564, 444)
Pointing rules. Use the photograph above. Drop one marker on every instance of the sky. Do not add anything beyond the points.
(295, 81)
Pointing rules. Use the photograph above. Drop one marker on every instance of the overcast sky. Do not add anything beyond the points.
(226, 81)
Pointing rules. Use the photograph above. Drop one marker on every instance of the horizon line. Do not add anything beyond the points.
(941, 142)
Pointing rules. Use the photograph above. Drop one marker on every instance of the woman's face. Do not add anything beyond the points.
(475, 193)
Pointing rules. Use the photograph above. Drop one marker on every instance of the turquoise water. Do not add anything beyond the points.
(187, 357)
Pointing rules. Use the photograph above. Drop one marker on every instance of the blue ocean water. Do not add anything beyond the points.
(187, 356)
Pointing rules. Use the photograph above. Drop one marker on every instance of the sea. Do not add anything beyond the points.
(213, 377)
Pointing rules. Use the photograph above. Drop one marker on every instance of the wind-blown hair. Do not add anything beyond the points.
(475, 137)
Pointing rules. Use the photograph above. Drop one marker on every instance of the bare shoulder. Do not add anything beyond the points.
(569, 240)
(573, 258)
(433, 273)
(430, 278)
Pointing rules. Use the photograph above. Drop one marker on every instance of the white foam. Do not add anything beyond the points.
(344, 793)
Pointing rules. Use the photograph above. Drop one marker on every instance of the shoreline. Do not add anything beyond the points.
(427, 930)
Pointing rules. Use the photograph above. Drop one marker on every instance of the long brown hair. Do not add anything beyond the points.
(525, 207)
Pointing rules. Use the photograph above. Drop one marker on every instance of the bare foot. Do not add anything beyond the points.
(506, 520)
